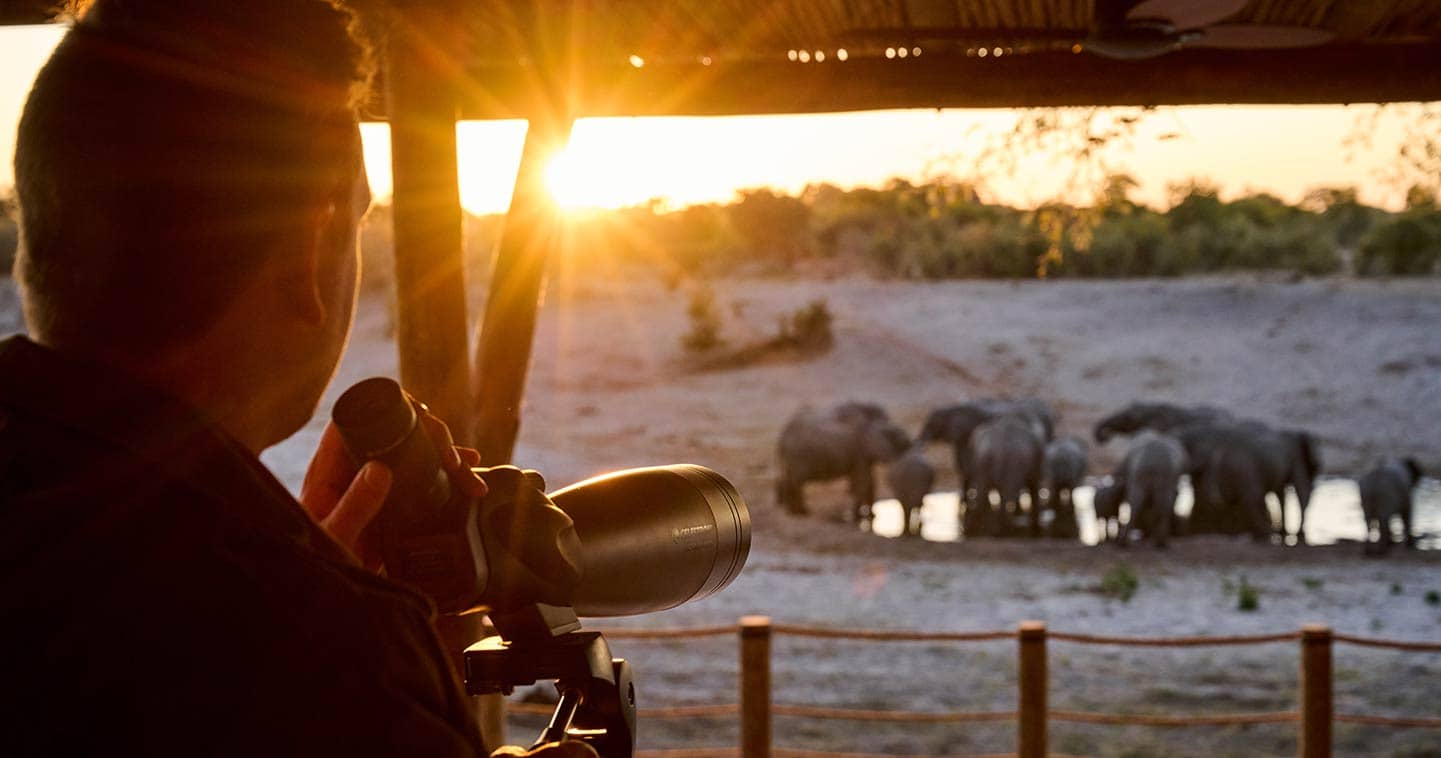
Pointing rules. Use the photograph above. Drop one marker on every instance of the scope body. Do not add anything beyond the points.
(654, 538)
(649, 538)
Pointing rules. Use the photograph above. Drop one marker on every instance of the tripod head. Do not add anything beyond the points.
(543, 642)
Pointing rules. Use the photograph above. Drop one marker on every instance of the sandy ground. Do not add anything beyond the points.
(1357, 362)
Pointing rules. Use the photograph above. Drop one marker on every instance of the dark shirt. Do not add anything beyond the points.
(162, 594)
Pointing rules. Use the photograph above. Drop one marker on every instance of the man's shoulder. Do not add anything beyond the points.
(200, 612)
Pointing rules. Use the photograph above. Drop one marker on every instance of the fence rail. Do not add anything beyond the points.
(1315, 716)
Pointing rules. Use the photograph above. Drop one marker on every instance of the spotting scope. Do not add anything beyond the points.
(629, 542)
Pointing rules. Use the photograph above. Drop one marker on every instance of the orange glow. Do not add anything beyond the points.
(569, 184)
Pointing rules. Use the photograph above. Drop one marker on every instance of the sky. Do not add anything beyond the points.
(623, 161)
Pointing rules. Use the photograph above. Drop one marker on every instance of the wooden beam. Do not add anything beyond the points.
(1325, 74)
(431, 323)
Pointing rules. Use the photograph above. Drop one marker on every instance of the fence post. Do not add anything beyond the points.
(1316, 696)
(755, 686)
(1031, 719)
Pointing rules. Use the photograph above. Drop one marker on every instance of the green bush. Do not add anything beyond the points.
(1119, 582)
(1248, 596)
(808, 328)
(1408, 244)
(704, 334)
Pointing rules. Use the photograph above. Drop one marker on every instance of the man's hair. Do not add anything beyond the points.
(167, 148)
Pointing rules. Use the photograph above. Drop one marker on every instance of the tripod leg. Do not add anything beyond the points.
(555, 731)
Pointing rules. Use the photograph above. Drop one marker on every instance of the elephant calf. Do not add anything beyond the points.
(911, 478)
(1149, 477)
(1065, 468)
(844, 441)
(1385, 493)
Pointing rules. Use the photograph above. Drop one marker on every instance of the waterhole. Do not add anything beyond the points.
(1334, 514)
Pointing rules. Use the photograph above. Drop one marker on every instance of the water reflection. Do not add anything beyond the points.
(1333, 516)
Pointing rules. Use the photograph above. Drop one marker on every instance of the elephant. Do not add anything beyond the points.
(1065, 467)
(1035, 410)
(1249, 460)
(1106, 503)
(844, 441)
(1159, 417)
(1148, 477)
(1006, 456)
(1386, 492)
(910, 478)
(1202, 439)
(956, 423)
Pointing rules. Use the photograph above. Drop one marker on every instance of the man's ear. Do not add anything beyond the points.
(303, 275)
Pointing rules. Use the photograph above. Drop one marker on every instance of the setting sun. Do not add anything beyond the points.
(571, 182)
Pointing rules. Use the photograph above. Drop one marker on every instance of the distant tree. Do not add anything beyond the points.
(1195, 202)
(771, 224)
(1407, 244)
(1417, 165)
(1421, 198)
(1341, 211)
(1115, 196)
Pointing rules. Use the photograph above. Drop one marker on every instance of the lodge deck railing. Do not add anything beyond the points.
(1315, 714)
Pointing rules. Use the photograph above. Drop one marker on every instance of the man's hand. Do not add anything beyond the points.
(344, 499)
(566, 749)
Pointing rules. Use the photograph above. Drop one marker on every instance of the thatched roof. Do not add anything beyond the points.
(662, 57)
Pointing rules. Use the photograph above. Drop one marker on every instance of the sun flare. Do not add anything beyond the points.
(568, 182)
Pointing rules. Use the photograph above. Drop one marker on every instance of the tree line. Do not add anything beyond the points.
(944, 229)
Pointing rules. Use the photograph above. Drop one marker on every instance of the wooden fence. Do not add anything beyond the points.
(1314, 717)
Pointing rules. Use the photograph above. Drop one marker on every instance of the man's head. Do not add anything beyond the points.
(182, 162)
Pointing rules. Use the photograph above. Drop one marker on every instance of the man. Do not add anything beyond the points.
(190, 181)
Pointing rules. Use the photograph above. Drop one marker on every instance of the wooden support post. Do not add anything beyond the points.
(1031, 719)
(529, 239)
(755, 686)
(1317, 704)
(431, 324)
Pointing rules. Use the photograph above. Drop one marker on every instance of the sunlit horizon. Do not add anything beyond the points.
(680, 161)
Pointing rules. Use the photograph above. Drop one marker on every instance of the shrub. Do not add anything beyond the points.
(808, 328)
(1407, 244)
(1119, 582)
(772, 224)
(704, 334)
(1248, 596)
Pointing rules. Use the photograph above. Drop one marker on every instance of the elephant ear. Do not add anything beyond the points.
(936, 427)
(1414, 466)
(883, 441)
(962, 424)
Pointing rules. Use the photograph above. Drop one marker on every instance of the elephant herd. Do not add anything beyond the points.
(1003, 448)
